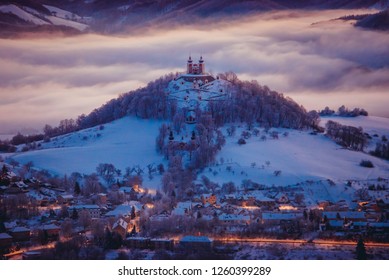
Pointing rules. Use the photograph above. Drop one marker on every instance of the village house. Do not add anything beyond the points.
(280, 217)
(124, 210)
(10, 225)
(282, 198)
(161, 244)
(233, 219)
(102, 198)
(93, 209)
(211, 199)
(66, 199)
(233, 222)
(51, 231)
(20, 234)
(120, 227)
(137, 242)
(383, 203)
(345, 215)
(197, 243)
(182, 208)
(5, 240)
(159, 217)
(129, 193)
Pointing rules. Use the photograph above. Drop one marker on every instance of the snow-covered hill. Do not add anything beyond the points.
(376, 127)
(28, 15)
(54, 17)
(381, 5)
(298, 155)
(127, 142)
(188, 93)
(120, 15)
(372, 125)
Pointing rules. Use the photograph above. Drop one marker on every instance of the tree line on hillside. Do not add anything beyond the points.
(347, 136)
(147, 102)
(252, 103)
(382, 149)
(248, 102)
(343, 112)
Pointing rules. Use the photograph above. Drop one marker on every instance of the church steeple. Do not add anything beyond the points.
(195, 68)
(189, 65)
(201, 65)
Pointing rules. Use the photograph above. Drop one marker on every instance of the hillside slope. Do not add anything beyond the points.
(22, 16)
(300, 156)
(122, 15)
(378, 21)
(124, 143)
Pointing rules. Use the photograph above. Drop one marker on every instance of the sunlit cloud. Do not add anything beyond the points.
(45, 79)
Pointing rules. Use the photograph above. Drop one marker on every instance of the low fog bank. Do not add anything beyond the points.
(43, 80)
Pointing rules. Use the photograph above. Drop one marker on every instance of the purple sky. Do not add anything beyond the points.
(43, 80)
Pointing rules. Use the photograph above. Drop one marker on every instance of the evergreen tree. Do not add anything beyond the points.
(2, 227)
(132, 212)
(74, 214)
(361, 250)
(171, 136)
(133, 231)
(77, 188)
(305, 214)
(4, 170)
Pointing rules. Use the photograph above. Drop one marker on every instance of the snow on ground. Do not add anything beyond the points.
(188, 94)
(299, 156)
(62, 13)
(126, 142)
(372, 125)
(65, 22)
(376, 127)
(13, 9)
(59, 17)
(267, 251)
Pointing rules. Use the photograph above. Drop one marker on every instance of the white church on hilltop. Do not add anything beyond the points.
(195, 88)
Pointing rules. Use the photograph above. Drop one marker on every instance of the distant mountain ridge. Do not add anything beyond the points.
(120, 15)
(378, 21)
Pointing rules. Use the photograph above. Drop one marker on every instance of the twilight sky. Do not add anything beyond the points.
(45, 79)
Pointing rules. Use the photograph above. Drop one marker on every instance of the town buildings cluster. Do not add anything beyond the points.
(37, 215)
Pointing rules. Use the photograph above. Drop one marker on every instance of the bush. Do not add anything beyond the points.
(241, 141)
(366, 163)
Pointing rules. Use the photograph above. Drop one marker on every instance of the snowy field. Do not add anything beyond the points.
(124, 143)
(299, 156)
(13, 9)
(61, 17)
(372, 125)
(305, 252)
(289, 160)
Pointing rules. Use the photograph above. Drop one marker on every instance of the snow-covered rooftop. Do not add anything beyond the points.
(120, 223)
(345, 214)
(4, 235)
(20, 229)
(281, 216)
(191, 238)
(233, 217)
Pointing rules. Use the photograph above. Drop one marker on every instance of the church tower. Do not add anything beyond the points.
(189, 66)
(201, 66)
